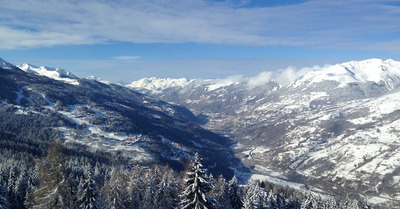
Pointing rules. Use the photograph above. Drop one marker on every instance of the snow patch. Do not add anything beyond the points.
(98, 80)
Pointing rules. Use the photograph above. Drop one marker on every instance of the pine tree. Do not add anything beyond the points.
(195, 187)
(51, 190)
(167, 189)
(29, 196)
(349, 204)
(220, 192)
(4, 204)
(114, 191)
(88, 195)
(309, 202)
(235, 194)
(254, 197)
(135, 187)
(149, 198)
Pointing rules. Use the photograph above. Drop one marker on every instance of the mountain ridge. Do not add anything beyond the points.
(370, 70)
(50, 72)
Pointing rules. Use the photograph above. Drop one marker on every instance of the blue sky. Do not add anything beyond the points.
(124, 40)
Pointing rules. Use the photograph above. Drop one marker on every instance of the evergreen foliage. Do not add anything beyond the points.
(50, 193)
(195, 186)
(114, 194)
(235, 194)
(88, 195)
(3, 193)
(89, 181)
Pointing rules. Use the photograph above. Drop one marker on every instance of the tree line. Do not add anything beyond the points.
(61, 180)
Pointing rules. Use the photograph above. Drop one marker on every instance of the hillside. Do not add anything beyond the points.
(108, 118)
(334, 129)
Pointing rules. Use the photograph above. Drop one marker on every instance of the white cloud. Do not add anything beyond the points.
(13, 39)
(260, 79)
(290, 74)
(281, 76)
(339, 24)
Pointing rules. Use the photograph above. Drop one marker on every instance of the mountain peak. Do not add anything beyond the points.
(157, 85)
(50, 72)
(370, 70)
(6, 65)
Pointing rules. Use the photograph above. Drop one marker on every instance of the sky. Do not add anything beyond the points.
(125, 40)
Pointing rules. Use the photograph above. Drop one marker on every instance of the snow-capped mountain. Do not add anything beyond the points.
(157, 85)
(50, 72)
(334, 129)
(108, 118)
(373, 70)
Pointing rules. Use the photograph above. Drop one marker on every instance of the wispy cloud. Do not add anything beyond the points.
(339, 24)
(282, 76)
(126, 57)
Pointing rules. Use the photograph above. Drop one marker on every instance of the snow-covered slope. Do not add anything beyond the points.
(54, 73)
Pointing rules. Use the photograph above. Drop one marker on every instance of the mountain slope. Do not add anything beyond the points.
(335, 129)
(114, 119)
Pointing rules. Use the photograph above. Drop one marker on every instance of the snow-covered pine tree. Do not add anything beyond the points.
(149, 198)
(88, 195)
(309, 202)
(349, 204)
(29, 195)
(220, 193)
(235, 194)
(115, 195)
(135, 186)
(329, 203)
(195, 187)
(274, 201)
(4, 204)
(167, 190)
(51, 190)
(280, 201)
(253, 197)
